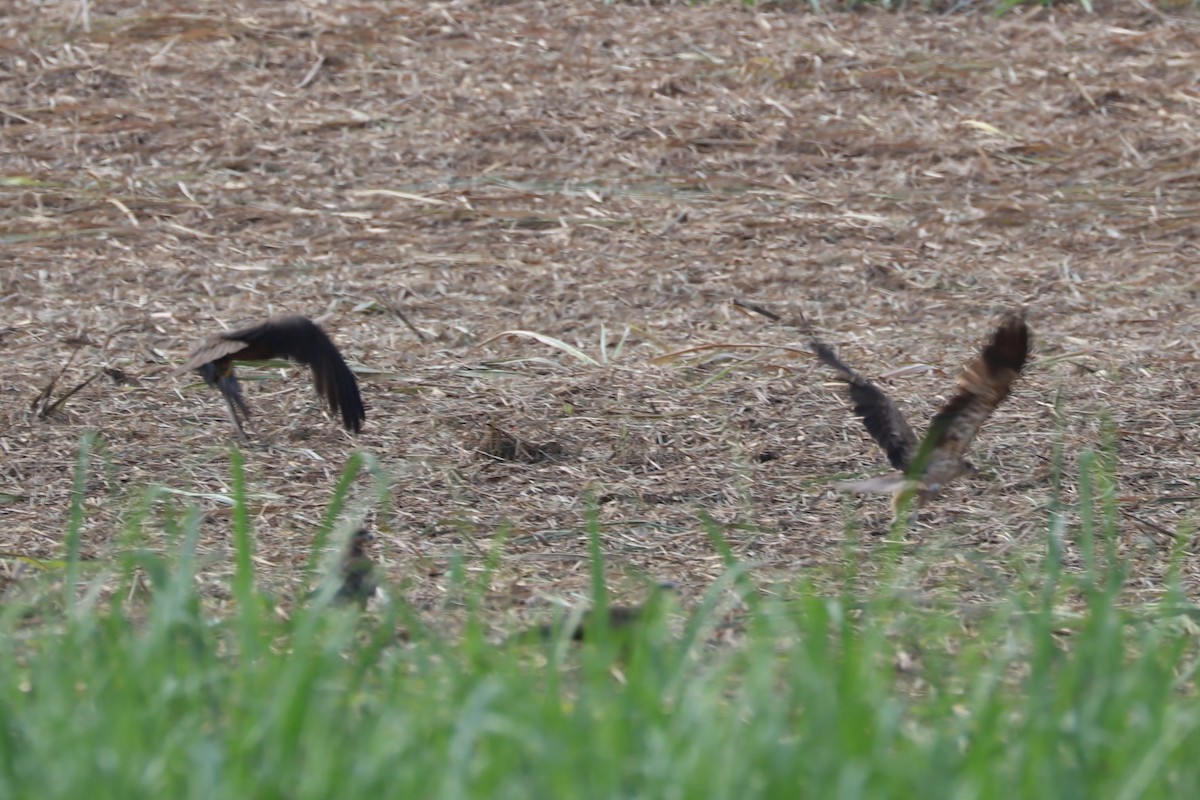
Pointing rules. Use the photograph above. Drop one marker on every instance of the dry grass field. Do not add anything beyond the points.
(608, 176)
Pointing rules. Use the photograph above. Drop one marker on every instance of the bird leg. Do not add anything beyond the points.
(231, 407)
(231, 390)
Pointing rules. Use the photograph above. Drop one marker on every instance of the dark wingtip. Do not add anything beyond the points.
(336, 381)
(353, 413)
(879, 414)
(1011, 343)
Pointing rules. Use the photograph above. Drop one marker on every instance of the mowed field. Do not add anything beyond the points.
(606, 177)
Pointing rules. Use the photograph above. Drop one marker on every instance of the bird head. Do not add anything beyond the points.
(360, 541)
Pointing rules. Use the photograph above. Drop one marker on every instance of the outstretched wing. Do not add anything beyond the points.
(983, 385)
(217, 347)
(879, 414)
(299, 339)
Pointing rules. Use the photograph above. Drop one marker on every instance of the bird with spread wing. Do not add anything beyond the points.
(296, 338)
(926, 466)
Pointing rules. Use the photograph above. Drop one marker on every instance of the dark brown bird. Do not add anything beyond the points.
(927, 466)
(620, 617)
(296, 338)
(356, 572)
(359, 582)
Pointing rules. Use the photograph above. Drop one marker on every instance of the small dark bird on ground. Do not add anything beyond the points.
(927, 466)
(296, 338)
(356, 571)
(620, 617)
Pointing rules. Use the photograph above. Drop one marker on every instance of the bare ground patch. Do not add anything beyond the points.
(610, 176)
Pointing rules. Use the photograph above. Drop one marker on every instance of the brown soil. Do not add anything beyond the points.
(596, 173)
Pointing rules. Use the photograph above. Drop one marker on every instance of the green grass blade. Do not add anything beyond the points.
(75, 524)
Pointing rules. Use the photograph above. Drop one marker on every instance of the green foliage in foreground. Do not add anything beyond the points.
(158, 700)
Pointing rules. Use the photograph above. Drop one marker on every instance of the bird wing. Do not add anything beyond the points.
(301, 340)
(879, 414)
(333, 379)
(216, 347)
(983, 385)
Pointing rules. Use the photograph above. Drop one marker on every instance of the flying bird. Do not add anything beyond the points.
(926, 466)
(296, 338)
